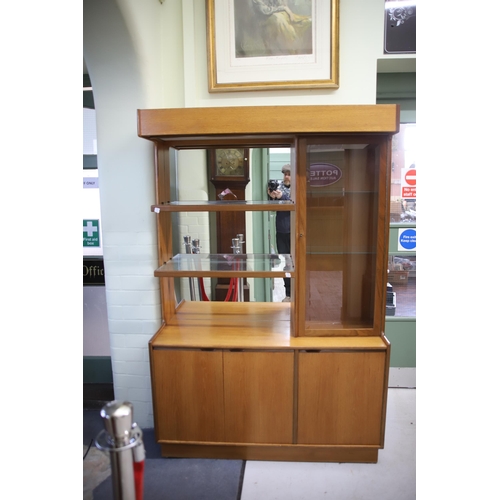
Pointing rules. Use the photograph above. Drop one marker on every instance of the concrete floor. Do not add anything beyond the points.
(392, 478)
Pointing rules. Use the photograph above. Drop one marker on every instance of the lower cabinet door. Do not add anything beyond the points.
(258, 395)
(188, 395)
(340, 398)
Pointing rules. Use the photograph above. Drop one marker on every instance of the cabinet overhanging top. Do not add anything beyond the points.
(376, 118)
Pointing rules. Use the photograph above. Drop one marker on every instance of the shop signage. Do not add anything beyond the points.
(409, 184)
(93, 271)
(91, 233)
(407, 240)
(324, 174)
(90, 182)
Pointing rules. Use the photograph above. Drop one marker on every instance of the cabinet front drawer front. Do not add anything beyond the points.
(258, 391)
(340, 398)
(188, 395)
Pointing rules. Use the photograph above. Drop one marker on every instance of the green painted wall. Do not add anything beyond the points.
(402, 334)
(399, 88)
(97, 370)
(276, 161)
(262, 291)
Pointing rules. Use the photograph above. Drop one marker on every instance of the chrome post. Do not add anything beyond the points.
(187, 243)
(196, 248)
(236, 245)
(241, 295)
(189, 250)
(237, 249)
(123, 440)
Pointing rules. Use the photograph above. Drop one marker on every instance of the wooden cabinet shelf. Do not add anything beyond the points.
(243, 325)
(304, 380)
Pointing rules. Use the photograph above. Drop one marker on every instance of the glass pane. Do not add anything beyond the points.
(229, 264)
(401, 286)
(342, 207)
(404, 175)
(205, 289)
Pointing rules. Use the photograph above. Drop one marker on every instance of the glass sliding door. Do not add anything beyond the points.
(341, 218)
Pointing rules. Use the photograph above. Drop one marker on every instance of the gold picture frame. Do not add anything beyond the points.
(281, 49)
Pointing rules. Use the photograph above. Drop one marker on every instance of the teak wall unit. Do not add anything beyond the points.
(305, 380)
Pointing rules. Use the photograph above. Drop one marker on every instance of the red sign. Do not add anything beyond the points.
(411, 177)
(409, 184)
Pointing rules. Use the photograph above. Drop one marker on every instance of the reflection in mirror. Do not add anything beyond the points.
(197, 181)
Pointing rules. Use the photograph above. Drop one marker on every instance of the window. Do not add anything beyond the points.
(402, 265)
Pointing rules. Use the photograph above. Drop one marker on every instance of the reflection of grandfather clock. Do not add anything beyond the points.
(230, 163)
(229, 169)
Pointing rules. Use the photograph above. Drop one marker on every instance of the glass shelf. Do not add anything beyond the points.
(230, 265)
(218, 206)
(337, 193)
(332, 253)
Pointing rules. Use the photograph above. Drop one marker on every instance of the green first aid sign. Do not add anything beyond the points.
(91, 233)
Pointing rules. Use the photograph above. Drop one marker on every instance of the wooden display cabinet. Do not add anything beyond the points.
(304, 380)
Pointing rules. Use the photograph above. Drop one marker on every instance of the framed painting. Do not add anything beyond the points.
(272, 44)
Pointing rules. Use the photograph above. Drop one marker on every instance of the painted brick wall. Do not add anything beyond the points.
(134, 312)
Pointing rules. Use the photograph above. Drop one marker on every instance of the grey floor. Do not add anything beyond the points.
(393, 477)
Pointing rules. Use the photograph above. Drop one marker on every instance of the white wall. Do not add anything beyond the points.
(151, 55)
(360, 44)
(121, 48)
(95, 322)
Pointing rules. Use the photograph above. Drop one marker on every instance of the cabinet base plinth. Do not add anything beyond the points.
(285, 453)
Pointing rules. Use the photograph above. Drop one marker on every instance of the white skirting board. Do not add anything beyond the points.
(403, 377)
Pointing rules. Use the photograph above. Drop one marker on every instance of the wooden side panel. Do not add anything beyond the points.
(258, 391)
(188, 395)
(384, 180)
(164, 226)
(299, 290)
(340, 398)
